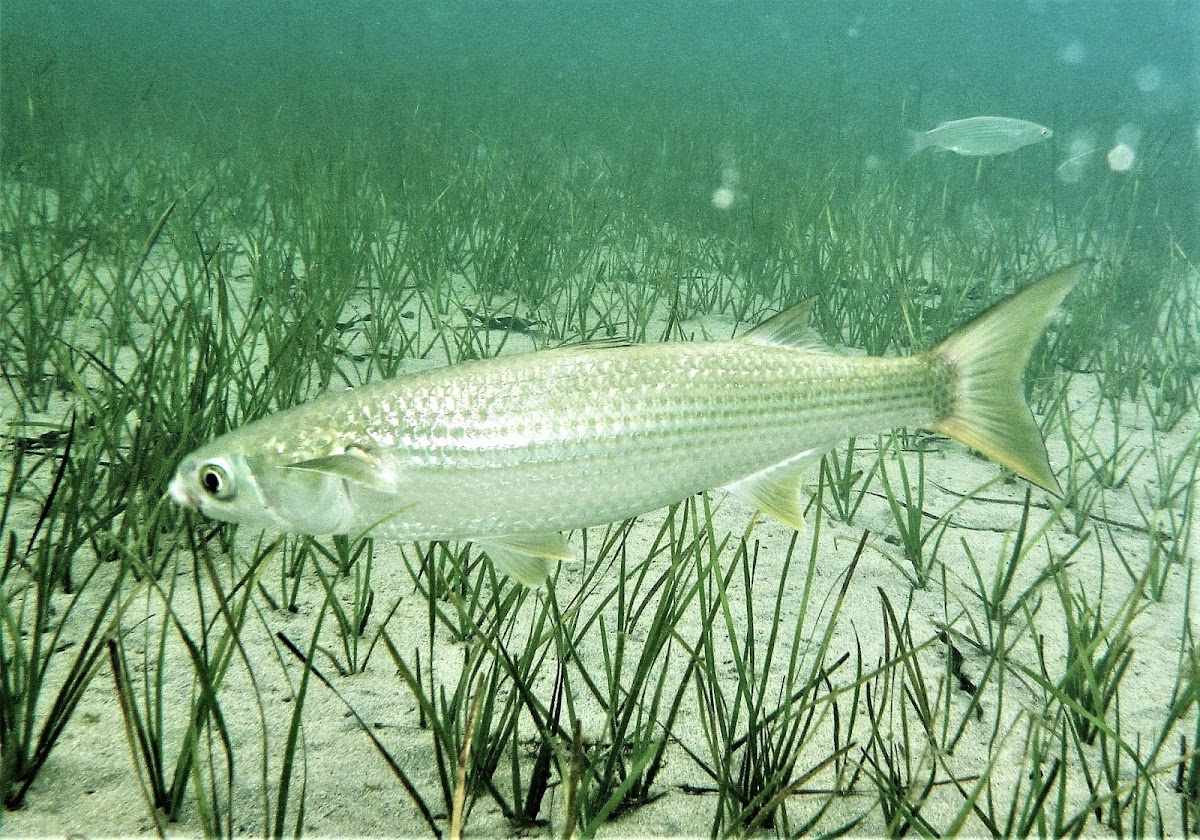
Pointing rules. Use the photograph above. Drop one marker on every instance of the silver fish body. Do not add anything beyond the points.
(565, 439)
(981, 136)
(510, 451)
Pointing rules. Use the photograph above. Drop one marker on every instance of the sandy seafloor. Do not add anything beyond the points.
(89, 788)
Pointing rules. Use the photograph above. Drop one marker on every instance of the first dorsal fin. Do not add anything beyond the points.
(790, 328)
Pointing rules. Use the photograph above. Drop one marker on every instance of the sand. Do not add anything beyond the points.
(89, 786)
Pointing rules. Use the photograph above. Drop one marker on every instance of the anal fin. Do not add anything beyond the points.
(776, 490)
(528, 559)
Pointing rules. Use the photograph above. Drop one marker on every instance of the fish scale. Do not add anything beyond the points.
(577, 425)
(510, 451)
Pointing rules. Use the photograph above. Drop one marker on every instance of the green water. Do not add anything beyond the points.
(214, 212)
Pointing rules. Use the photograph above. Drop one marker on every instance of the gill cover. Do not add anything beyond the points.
(303, 501)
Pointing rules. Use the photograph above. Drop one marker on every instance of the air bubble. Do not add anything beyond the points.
(1148, 78)
(1072, 52)
(1129, 133)
(1121, 157)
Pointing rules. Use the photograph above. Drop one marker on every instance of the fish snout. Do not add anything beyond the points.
(179, 492)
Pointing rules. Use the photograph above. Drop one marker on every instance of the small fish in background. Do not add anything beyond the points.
(503, 323)
(980, 136)
(511, 451)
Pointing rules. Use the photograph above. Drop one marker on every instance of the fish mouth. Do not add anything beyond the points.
(179, 493)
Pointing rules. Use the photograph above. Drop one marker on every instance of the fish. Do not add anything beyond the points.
(980, 136)
(510, 452)
(503, 323)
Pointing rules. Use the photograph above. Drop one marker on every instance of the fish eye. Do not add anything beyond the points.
(216, 481)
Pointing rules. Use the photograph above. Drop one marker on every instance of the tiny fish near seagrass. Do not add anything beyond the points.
(511, 451)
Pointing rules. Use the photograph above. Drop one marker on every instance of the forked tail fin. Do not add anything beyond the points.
(917, 141)
(987, 359)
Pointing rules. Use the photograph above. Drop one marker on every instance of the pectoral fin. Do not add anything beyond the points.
(357, 465)
(776, 490)
(527, 558)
